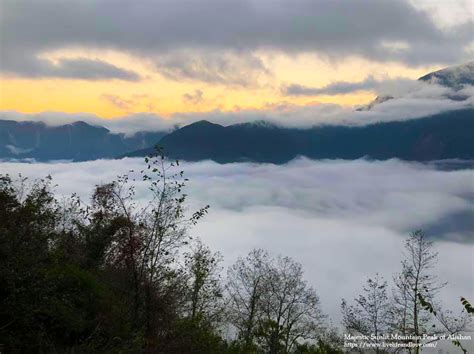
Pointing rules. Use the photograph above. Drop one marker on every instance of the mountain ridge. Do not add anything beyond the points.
(445, 135)
(454, 76)
(77, 141)
(442, 136)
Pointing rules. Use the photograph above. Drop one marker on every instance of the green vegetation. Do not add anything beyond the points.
(113, 276)
(445, 135)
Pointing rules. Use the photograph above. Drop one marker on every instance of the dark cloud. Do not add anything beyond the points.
(215, 68)
(193, 97)
(343, 87)
(369, 28)
(340, 87)
(79, 68)
(118, 101)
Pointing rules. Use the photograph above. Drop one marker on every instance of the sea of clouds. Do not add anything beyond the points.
(343, 220)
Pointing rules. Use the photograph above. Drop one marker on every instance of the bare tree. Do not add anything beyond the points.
(245, 288)
(371, 314)
(291, 309)
(416, 311)
(271, 305)
(412, 312)
(416, 277)
(401, 304)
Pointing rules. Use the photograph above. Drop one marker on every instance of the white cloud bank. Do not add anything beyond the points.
(343, 220)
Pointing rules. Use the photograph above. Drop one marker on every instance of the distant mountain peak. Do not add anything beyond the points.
(376, 101)
(84, 125)
(258, 123)
(80, 123)
(442, 136)
(204, 123)
(77, 141)
(454, 76)
(264, 123)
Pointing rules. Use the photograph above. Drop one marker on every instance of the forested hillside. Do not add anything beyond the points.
(442, 136)
(78, 141)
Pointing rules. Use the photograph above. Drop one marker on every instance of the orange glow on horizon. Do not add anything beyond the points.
(159, 95)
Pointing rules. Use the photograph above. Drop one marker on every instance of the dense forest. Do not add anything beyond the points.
(111, 275)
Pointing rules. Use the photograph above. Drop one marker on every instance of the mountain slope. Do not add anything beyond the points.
(443, 136)
(78, 141)
(453, 77)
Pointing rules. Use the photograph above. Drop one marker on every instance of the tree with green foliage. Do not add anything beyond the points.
(449, 324)
(203, 307)
(95, 276)
(48, 301)
(204, 284)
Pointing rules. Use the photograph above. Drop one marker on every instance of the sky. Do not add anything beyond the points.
(169, 59)
(343, 221)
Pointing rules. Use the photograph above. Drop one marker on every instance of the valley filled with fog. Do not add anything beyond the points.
(343, 220)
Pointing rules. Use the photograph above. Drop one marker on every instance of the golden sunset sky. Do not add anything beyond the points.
(112, 58)
(161, 95)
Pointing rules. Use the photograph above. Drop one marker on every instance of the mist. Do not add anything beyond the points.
(343, 220)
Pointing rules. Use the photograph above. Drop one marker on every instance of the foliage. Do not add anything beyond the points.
(98, 276)
(112, 275)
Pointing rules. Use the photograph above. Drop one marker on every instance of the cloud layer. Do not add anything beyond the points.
(344, 220)
(344, 87)
(377, 30)
(221, 68)
(80, 68)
